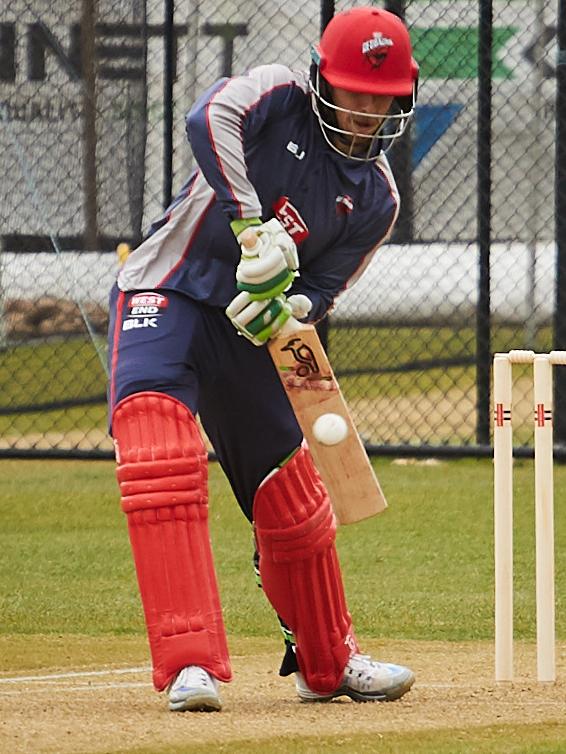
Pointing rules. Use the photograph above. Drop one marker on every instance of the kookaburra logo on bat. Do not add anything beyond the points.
(304, 356)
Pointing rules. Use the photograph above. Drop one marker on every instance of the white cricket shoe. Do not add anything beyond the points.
(194, 689)
(365, 680)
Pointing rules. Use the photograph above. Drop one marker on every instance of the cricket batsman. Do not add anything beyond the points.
(300, 158)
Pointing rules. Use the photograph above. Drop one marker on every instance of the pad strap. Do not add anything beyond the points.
(296, 531)
(162, 474)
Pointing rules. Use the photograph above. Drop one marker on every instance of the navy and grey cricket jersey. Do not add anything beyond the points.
(260, 153)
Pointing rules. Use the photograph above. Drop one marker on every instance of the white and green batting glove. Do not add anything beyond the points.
(258, 321)
(238, 226)
(269, 259)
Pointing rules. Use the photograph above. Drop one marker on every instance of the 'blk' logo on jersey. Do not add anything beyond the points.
(290, 219)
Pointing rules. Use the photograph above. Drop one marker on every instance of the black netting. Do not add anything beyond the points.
(92, 101)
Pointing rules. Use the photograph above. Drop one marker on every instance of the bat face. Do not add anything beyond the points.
(312, 389)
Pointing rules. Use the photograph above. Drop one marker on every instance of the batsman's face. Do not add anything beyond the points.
(361, 114)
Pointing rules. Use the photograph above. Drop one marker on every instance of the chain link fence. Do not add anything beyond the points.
(92, 101)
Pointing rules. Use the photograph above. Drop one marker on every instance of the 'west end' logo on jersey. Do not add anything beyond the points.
(147, 303)
(376, 49)
(290, 218)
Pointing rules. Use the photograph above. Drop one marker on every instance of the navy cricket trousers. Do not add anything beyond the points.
(165, 341)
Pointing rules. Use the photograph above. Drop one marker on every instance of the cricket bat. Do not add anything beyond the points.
(312, 389)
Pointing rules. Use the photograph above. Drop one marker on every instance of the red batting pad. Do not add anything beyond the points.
(296, 530)
(162, 473)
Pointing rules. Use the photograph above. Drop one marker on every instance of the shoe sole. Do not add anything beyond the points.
(357, 696)
(197, 703)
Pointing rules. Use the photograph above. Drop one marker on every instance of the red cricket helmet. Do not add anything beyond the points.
(368, 50)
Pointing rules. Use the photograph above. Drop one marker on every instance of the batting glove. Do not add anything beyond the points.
(300, 304)
(269, 260)
(260, 320)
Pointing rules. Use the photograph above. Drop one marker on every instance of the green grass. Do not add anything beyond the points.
(422, 570)
(57, 369)
(69, 369)
(503, 739)
(82, 418)
(373, 347)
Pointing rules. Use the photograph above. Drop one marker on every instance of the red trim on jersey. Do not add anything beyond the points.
(244, 115)
(115, 339)
(189, 243)
(396, 201)
(217, 154)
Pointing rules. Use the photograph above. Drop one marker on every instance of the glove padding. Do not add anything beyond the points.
(269, 261)
(300, 304)
(260, 320)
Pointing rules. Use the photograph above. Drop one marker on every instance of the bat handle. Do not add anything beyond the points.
(290, 328)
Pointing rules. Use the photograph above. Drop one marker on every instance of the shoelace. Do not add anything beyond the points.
(365, 660)
(204, 677)
(364, 675)
(187, 674)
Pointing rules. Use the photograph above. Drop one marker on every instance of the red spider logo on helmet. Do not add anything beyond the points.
(376, 49)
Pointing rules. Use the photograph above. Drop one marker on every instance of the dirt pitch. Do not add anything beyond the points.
(109, 706)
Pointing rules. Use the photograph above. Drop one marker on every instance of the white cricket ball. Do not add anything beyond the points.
(330, 429)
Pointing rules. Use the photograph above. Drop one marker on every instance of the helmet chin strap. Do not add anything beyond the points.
(379, 141)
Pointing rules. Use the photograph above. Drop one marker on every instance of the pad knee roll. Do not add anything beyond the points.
(296, 531)
(162, 474)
